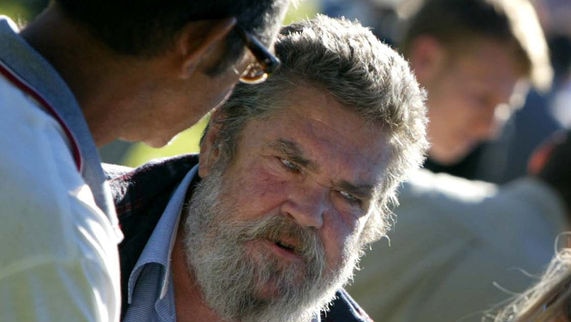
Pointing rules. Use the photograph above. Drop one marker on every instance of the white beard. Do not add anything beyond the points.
(232, 280)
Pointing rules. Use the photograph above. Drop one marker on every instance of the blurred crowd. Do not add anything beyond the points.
(477, 226)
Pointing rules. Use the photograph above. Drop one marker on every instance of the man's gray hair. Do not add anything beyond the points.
(366, 76)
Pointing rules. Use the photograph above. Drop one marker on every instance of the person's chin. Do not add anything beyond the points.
(269, 291)
(286, 259)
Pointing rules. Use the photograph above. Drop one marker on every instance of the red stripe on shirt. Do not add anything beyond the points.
(26, 88)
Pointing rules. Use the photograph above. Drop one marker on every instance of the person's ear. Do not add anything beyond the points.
(198, 40)
(426, 57)
(209, 145)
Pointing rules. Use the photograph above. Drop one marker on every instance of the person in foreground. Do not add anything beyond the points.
(294, 178)
(81, 75)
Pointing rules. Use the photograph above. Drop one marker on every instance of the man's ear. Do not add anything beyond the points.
(426, 57)
(199, 39)
(209, 145)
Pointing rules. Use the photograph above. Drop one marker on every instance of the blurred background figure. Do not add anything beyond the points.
(477, 68)
(550, 298)
(502, 156)
(460, 247)
(456, 243)
(544, 112)
(379, 15)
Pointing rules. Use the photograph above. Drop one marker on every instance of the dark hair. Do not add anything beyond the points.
(455, 24)
(148, 27)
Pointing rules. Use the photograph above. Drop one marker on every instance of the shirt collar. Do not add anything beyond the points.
(159, 246)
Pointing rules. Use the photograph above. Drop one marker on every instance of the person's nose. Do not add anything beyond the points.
(307, 204)
(485, 125)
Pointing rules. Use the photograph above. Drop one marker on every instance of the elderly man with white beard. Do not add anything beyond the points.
(294, 178)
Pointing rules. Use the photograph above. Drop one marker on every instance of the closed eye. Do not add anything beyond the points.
(352, 199)
(289, 165)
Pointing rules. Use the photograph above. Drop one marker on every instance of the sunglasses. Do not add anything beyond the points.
(266, 63)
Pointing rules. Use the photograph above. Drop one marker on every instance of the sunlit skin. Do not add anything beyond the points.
(464, 95)
(175, 101)
(178, 99)
(314, 162)
(139, 98)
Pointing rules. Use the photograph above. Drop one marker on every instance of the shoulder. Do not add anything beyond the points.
(36, 163)
(158, 172)
(150, 185)
(424, 184)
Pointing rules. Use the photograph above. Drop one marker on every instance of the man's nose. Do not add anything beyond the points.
(487, 123)
(307, 204)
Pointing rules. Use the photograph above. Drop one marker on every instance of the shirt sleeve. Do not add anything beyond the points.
(58, 251)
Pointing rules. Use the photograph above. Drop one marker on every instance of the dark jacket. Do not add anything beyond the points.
(142, 194)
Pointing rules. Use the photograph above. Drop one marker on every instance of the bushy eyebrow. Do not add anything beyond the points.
(293, 152)
(364, 192)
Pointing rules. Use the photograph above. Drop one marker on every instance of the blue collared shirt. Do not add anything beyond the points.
(150, 291)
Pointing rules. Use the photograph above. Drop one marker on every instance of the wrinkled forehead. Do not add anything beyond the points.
(335, 137)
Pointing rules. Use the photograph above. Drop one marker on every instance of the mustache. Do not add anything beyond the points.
(286, 233)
